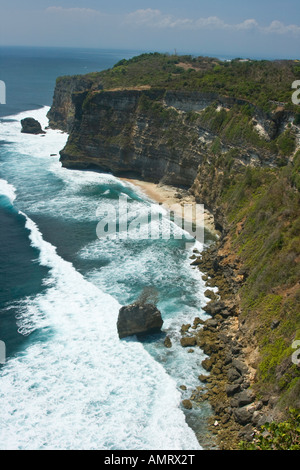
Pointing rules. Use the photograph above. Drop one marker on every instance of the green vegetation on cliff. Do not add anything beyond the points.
(278, 436)
(261, 214)
(236, 126)
(265, 84)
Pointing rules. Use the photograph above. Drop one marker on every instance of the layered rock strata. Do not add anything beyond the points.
(153, 134)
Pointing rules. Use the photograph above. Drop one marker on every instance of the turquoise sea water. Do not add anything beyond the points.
(68, 381)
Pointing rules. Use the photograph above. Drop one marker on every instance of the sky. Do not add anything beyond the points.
(235, 28)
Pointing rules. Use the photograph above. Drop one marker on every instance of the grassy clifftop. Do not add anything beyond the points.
(263, 83)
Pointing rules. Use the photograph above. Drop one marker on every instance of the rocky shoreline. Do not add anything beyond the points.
(228, 385)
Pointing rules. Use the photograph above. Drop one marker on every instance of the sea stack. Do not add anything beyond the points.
(139, 319)
(31, 126)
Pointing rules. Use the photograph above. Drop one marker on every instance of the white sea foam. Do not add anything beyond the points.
(76, 385)
(84, 388)
(7, 190)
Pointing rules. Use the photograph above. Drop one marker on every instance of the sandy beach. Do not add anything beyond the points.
(173, 198)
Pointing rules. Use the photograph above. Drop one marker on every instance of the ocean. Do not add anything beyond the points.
(68, 381)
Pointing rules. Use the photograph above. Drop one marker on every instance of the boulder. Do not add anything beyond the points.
(185, 328)
(168, 342)
(239, 366)
(246, 433)
(197, 321)
(211, 324)
(243, 415)
(139, 319)
(31, 126)
(246, 397)
(213, 308)
(232, 389)
(187, 404)
(203, 378)
(233, 375)
(196, 262)
(207, 364)
(210, 294)
(188, 341)
(275, 324)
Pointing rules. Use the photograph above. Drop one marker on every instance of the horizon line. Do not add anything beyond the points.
(218, 55)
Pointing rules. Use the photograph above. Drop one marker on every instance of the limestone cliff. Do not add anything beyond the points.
(173, 137)
(61, 114)
(133, 133)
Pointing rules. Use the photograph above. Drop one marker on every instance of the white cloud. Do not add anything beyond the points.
(247, 25)
(278, 27)
(150, 17)
(144, 16)
(212, 22)
(73, 11)
(156, 19)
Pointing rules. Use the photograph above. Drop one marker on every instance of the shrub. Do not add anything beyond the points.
(297, 119)
(286, 143)
(277, 436)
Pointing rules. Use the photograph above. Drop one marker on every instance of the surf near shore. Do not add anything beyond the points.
(171, 197)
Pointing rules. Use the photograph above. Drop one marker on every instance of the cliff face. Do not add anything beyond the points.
(120, 133)
(157, 135)
(61, 114)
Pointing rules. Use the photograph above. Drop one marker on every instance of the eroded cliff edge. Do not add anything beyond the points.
(163, 136)
(241, 159)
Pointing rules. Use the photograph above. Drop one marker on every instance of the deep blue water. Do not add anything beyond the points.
(61, 288)
(30, 73)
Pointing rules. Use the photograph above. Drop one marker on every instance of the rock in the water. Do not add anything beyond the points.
(185, 328)
(203, 378)
(139, 319)
(31, 126)
(168, 342)
(188, 341)
(187, 404)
